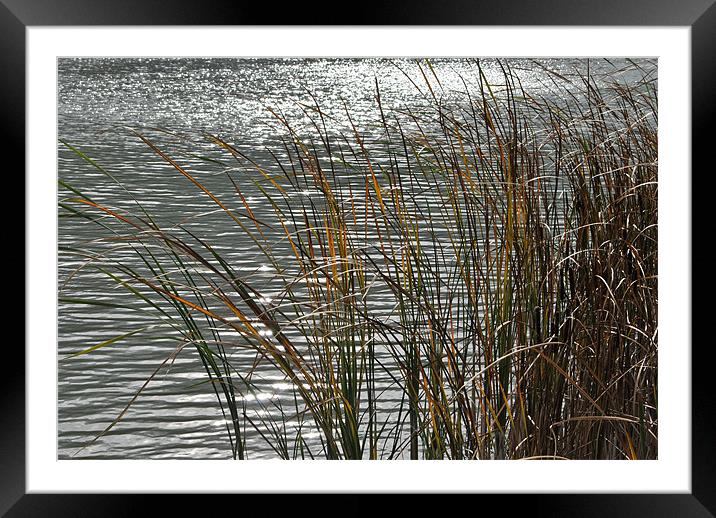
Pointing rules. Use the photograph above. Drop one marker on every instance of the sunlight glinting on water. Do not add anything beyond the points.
(175, 101)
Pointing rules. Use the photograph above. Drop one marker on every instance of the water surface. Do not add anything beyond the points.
(176, 101)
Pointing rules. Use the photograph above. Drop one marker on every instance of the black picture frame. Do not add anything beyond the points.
(700, 15)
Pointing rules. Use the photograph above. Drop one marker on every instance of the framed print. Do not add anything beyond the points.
(321, 258)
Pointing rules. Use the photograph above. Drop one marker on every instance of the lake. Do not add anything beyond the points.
(175, 103)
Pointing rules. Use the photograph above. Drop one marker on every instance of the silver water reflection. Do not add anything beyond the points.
(100, 101)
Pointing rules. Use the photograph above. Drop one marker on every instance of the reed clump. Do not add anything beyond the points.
(471, 278)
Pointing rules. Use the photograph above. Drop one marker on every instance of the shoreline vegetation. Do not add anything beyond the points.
(490, 261)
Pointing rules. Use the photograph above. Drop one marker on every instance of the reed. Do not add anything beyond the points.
(473, 278)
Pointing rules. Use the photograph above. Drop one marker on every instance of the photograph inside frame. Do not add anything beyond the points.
(348, 258)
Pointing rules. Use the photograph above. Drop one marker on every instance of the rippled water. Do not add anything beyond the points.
(174, 101)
